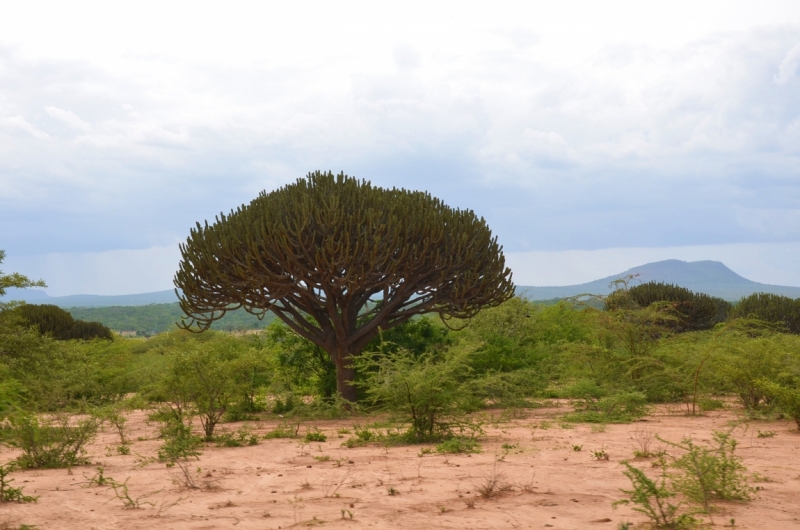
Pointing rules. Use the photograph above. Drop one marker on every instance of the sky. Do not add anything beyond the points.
(591, 136)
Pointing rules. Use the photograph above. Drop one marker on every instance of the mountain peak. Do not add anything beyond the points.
(709, 277)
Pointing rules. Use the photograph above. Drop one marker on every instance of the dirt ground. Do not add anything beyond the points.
(546, 467)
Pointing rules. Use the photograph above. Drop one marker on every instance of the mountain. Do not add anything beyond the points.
(36, 296)
(710, 277)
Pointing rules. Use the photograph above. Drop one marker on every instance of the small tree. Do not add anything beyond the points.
(770, 308)
(207, 378)
(690, 311)
(338, 259)
(15, 279)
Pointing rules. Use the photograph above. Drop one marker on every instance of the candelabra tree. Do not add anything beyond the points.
(337, 260)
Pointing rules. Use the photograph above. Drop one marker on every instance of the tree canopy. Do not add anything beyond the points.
(338, 259)
(15, 279)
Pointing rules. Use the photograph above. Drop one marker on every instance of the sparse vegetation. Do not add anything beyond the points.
(706, 473)
(9, 493)
(418, 383)
(654, 499)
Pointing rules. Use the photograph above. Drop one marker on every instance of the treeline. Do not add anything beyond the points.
(151, 319)
(689, 310)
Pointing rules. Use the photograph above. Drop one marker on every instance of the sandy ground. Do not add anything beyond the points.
(281, 483)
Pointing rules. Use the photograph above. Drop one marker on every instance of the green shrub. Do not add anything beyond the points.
(315, 436)
(429, 394)
(179, 441)
(742, 361)
(652, 499)
(285, 430)
(210, 376)
(770, 308)
(363, 436)
(710, 472)
(459, 445)
(596, 405)
(786, 397)
(9, 493)
(51, 319)
(690, 311)
(240, 438)
(51, 443)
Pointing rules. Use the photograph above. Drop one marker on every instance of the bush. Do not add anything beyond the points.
(459, 445)
(242, 437)
(8, 493)
(430, 395)
(51, 443)
(770, 308)
(691, 311)
(742, 361)
(179, 441)
(652, 499)
(209, 377)
(786, 397)
(596, 405)
(710, 472)
(315, 436)
(51, 319)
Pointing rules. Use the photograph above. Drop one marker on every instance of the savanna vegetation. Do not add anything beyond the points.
(429, 379)
(149, 320)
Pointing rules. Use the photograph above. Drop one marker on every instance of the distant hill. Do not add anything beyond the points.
(156, 318)
(37, 296)
(710, 277)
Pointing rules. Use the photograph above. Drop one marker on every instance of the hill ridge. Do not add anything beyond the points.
(707, 276)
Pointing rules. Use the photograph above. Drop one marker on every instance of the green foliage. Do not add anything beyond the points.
(652, 498)
(284, 430)
(240, 438)
(15, 279)
(770, 308)
(431, 395)
(785, 394)
(315, 436)
(302, 366)
(689, 311)
(741, 361)
(50, 443)
(595, 405)
(9, 493)
(179, 441)
(336, 242)
(710, 472)
(459, 445)
(148, 320)
(363, 436)
(521, 335)
(208, 377)
(51, 319)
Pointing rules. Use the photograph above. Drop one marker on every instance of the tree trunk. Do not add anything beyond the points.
(345, 374)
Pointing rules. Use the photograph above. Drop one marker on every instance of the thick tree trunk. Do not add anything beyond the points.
(345, 374)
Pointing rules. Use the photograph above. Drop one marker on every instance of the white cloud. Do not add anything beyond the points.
(568, 124)
(69, 118)
(21, 124)
(788, 67)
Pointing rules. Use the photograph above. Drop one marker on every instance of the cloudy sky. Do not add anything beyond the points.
(592, 136)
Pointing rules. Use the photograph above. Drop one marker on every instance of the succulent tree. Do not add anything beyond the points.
(337, 260)
(692, 311)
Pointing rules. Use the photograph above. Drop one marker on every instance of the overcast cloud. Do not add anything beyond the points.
(570, 128)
